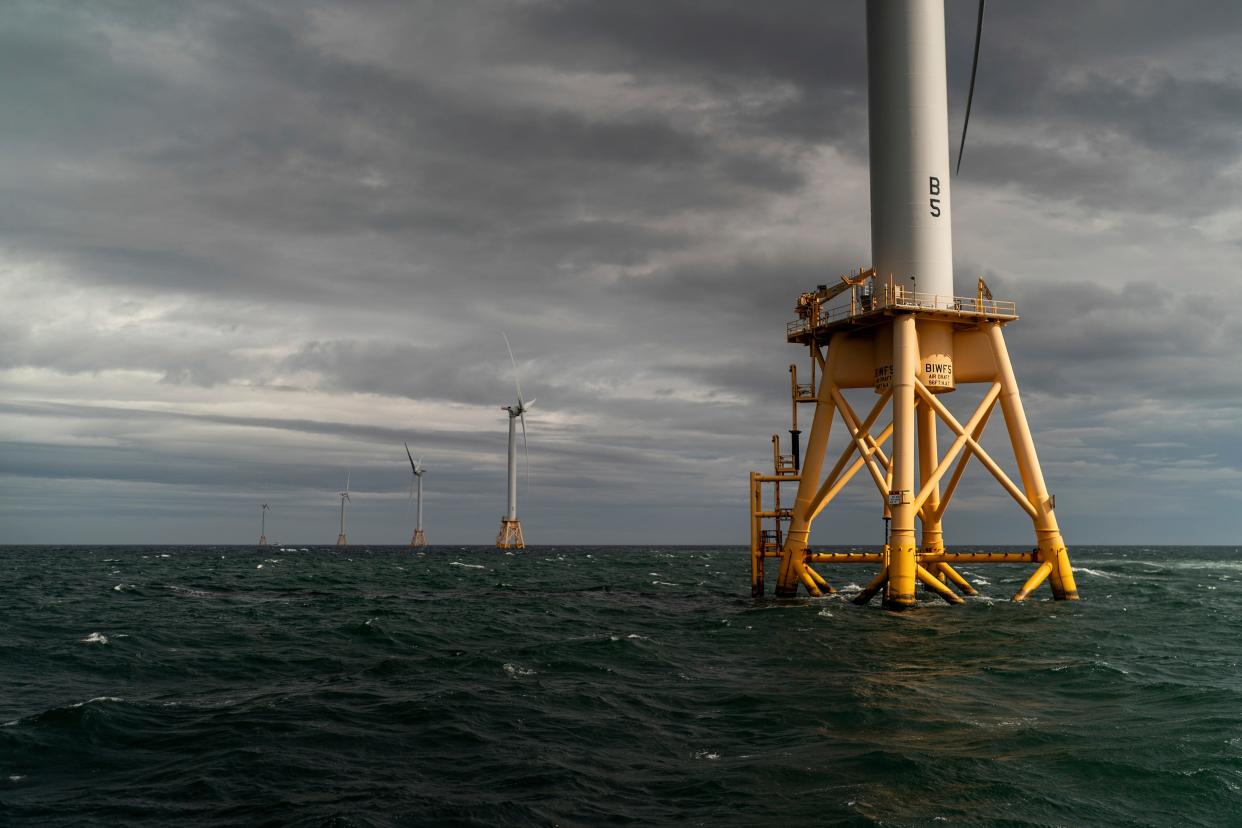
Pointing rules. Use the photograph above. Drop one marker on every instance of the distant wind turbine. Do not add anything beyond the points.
(263, 524)
(510, 527)
(419, 540)
(340, 539)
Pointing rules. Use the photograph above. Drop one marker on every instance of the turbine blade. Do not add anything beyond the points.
(526, 406)
(407, 454)
(974, 69)
(526, 451)
(515, 373)
(347, 481)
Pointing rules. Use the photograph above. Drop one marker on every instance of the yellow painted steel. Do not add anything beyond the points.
(823, 585)
(809, 582)
(947, 495)
(756, 554)
(984, 457)
(812, 467)
(912, 350)
(510, 535)
(870, 590)
(844, 557)
(837, 485)
(1048, 534)
(864, 447)
(903, 546)
(982, 557)
(947, 571)
(932, 482)
(928, 501)
(1045, 569)
(934, 584)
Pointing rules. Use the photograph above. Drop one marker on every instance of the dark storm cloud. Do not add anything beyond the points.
(263, 207)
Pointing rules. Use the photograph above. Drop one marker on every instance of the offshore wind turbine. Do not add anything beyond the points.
(340, 539)
(898, 329)
(263, 524)
(510, 535)
(416, 467)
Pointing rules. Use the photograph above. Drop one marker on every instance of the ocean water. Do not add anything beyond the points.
(202, 686)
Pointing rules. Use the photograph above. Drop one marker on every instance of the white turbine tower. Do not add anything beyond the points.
(263, 524)
(510, 527)
(419, 540)
(340, 539)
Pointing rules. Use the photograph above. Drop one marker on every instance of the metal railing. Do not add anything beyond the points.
(856, 305)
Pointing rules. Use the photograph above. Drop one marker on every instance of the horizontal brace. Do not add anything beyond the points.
(980, 557)
(844, 557)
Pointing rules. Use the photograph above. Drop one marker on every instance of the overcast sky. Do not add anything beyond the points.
(246, 247)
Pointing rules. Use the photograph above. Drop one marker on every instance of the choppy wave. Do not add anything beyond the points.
(392, 688)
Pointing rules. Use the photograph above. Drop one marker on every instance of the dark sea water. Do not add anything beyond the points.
(200, 686)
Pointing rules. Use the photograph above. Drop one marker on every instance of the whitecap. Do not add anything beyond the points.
(709, 755)
(99, 699)
(260, 566)
(16, 777)
(518, 670)
(95, 638)
(467, 566)
(664, 583)
(1095, 572)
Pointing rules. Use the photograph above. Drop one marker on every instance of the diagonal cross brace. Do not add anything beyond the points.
(984, 457)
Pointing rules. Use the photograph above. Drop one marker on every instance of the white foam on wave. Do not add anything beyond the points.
(665, 583)
(95, 638)
(98, 699)
(709, 755)
(16, 777)
(518, 670)
(1094, 572)
(467, 566)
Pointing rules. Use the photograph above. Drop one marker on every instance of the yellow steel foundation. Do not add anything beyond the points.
(510, 536)
(911, 349)
(419, 541)
(341, 541)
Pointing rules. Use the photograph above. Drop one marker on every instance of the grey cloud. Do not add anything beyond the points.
(356, 199)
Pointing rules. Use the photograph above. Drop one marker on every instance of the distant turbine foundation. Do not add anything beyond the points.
(419, 541)
(909, 348)
(510, 536)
